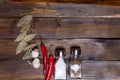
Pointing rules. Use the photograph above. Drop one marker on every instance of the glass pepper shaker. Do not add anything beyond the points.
(75, 63)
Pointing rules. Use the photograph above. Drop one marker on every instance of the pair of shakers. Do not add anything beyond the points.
(72, 69)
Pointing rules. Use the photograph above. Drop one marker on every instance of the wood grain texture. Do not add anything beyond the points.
(92, 49)
(73, 1)
(91, 70)
(17, 9)
(52, 28)
(101, 70)
(19, 70)
(95, 28)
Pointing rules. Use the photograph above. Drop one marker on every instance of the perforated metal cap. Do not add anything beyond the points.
(60, 50)
(75, 52)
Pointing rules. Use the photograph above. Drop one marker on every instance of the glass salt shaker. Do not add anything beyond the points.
(60, 65)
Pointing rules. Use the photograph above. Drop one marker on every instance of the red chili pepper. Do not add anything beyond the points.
(45, 56)
(51, 67)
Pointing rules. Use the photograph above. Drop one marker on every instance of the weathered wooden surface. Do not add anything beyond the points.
(101, 70)
(52, 28)
(19, 70)
(107, 2)
(92, 49)
(95, 28)
(91, 70)
(17, 9)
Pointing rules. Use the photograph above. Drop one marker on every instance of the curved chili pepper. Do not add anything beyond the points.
(51, 67)
(45, 56)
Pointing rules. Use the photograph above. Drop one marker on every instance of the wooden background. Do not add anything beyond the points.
(95, 27)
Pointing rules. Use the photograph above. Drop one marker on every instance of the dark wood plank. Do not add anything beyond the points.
(19, 70)
(17, 9)
(91, 70)
(52, 28)
(101, 70)
(92, 49)
(103, 2)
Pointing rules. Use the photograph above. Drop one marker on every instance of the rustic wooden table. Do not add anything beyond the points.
(95, 28)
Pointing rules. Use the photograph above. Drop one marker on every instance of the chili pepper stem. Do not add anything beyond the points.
(50, 50)
(40, 41)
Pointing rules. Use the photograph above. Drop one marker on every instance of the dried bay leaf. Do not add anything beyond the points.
(20, 36)
(27, 55)
(29, 37)
(30, 46)
(21, 47)
(25, 28)
(24, 20)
